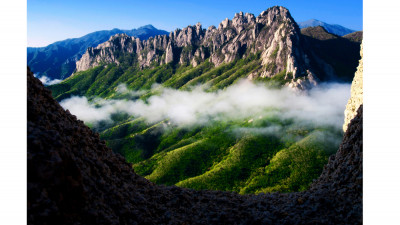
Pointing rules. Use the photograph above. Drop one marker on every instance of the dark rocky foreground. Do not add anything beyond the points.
(73, 178)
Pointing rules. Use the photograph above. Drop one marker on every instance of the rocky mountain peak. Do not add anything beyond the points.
(273, 34)
(239, 21)
(149, 26)
(274, 13)
(237, 15)
(199, 28)
(224, 24)
(58, 60)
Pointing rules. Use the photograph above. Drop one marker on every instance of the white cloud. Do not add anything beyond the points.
(269, 130)
(323, 105)
(123, 89)
(47, 81)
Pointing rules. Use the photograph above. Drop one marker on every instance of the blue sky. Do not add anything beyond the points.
(54, 20)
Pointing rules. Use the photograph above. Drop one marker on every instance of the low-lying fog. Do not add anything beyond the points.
(323, 105)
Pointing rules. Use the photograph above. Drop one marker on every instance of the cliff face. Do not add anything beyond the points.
(356, 98)
(58, 60)
(73, 178)
(273, 33)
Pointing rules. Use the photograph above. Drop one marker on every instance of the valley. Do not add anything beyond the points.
(253, 106)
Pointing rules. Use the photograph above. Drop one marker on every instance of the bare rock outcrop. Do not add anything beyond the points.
(356, 98)
(274, 34)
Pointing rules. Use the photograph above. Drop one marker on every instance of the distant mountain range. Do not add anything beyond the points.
(58, 60)
(331, 28)
(246, 46)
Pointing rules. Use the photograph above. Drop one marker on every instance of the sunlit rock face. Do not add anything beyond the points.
(356, 98)
(273, 34)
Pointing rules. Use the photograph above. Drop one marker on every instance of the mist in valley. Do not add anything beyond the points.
(245, 100)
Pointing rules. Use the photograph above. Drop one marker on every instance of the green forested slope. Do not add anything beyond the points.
(226, 155)
(233, 154)
(102, 81)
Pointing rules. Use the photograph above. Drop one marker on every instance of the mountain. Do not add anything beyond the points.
(58, 60)
(269, 47)
(73, 178)
(331, 28)
(273, 34)
(335, 56)
(255, 150)
(355, 37)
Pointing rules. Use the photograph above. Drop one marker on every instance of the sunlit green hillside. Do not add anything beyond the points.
(260, 152)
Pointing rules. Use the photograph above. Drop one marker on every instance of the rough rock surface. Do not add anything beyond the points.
(304, 83)
(73, 178)
(356, 98)
(274, 34)
(58, 60)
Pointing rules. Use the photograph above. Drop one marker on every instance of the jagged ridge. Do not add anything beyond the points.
(273, 33)
(58, 60)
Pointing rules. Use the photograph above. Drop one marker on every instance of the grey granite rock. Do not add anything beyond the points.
(274, 33)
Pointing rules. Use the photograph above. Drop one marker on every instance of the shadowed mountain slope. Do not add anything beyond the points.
(333, 55)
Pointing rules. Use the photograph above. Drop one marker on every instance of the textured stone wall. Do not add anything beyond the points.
(356, 98)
